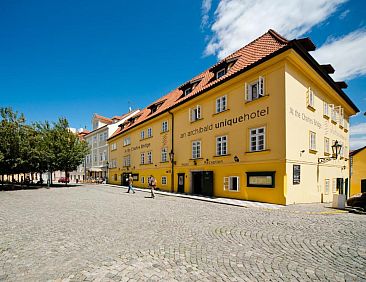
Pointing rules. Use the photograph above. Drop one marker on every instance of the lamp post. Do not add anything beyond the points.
(171, 157)
(107, 177)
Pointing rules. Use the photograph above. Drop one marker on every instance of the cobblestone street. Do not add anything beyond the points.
(102, 233)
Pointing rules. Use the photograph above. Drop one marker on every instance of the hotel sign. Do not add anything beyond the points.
(227, 122)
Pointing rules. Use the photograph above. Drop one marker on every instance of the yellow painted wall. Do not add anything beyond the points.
(300, 120)
(358, 171)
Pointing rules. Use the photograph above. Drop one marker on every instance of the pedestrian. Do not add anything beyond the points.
(130, 182)
(152, 183)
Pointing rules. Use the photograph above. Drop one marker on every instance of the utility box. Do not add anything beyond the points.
(339, 201)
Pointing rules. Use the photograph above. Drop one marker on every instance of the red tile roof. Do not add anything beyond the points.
(257, 51)
(103, 119)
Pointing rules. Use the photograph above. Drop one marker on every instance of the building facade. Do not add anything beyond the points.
(358, 171)
(96, 162)
(259, 125)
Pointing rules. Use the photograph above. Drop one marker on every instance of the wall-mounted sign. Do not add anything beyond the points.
(296, 174)
(265, 179)
(227, 122)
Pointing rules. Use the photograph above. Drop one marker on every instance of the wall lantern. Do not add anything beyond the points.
(236, 159)
(171, 156)
(336, 150)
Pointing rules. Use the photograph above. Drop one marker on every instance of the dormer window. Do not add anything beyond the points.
(220, 73)
(187, 91)
(154, 107)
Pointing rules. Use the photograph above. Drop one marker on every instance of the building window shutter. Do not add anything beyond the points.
(248, 96)
(226, 183)
(261, 86)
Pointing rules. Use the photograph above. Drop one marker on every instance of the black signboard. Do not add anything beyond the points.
(296, 174)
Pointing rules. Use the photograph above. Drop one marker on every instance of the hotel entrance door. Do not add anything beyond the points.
(202, 183)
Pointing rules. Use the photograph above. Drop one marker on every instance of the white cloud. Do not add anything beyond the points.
(358, 129)
(346, 54)
(206, 7)
(237, 22)
(358, 136)
(344, 14)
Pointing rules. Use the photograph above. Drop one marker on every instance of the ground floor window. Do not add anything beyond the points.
(265, 179)
(326, 188)
(231, 183)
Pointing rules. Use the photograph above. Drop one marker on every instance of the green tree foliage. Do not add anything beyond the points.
(38, 147)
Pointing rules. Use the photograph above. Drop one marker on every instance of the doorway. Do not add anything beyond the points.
(202, 183)
(181, 177)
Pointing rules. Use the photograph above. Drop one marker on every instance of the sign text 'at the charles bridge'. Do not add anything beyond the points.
(227, 122)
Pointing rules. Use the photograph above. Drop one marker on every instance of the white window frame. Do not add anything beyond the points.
(326, 145)
(220, 73)
(334, 185)
(142, 179)
(164, 155)
(222, 145)
(256, 138)
(113, 146)
(142, 158)
(221, 104)
(196, 149)
(149, 132)
(164, 126)
(127, 160)
(333, 114)
(105, 135)
(195, 113)
(325, 109)
(149, 157)
(326, 186)
(164, 180)
(228, 183)
(312, 140)
(127, 141)
(310, 98)
(101, 137)
(259, 84)
(142, 134)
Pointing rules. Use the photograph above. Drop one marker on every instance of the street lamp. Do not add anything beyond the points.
(336, 150)
(171, 156)
(106, 181)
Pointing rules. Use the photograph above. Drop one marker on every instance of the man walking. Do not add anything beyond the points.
(152, 183)
(130, 182)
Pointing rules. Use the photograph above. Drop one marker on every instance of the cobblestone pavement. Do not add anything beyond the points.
(101, 233)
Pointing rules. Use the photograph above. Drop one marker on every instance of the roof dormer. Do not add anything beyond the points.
(223, 67)
(155, 106)
(189, 86)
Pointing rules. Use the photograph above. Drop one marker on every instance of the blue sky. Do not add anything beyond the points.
(75, 58)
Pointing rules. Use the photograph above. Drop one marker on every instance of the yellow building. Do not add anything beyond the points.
(258, 125)
(358, 171)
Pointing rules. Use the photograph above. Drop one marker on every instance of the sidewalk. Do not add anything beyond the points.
(224, 201)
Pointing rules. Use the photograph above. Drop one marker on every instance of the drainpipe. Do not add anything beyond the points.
(172, 154)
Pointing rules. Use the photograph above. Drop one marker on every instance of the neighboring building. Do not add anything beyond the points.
(258, 125)
(96, 162)
(358, 171)
(79, 175)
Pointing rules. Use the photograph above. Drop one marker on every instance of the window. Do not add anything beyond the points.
(231, 183)
(187, 91)
(142, 158)
(149, 157)
(142, 134)
(257, 139)
(142, 179)
(195, 113)
(220, 73)
(101, 137)
(114, 146)
(326, 187)
(333, 113)
(149, 132)
(164, 126)
(265, 179)
(163, 180)
(95, 125)
(105, 135)
(326, 109)
(312, 141)
(127, 160)
(310, 98)
(95, 158)
(326, 145)
(221, 146)
(127, 141)
(254, 90)
(95, 139)
(164, 155)
(196, 149)
(115, 177)
(221, 104)
(100, 156)
(113, 164)
(334, 185)
(341, 117)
